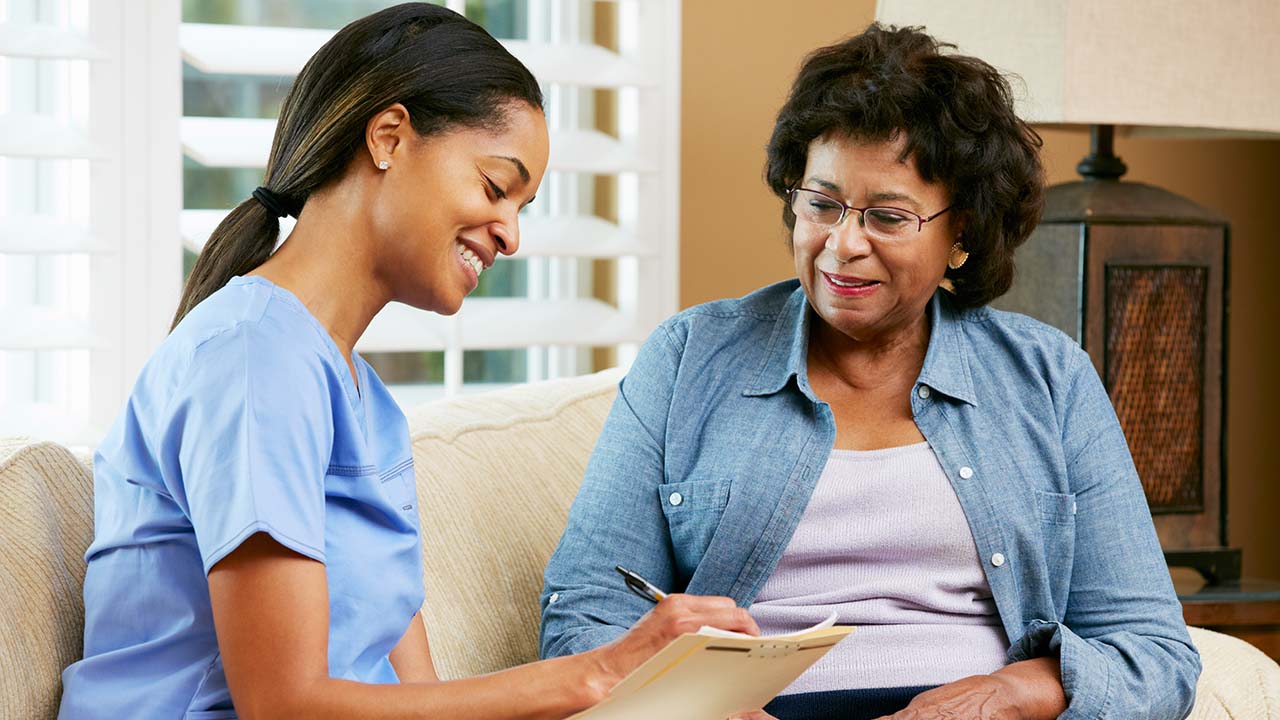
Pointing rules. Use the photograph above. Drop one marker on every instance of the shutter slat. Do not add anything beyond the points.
(220, 49)
(499, 324)
(46, 235)
(578, 64)
(38, 328)
(44, 420)
(591, 151)
(283, 51)
(577, 236)
(227, 142)
(246, 142)
(46, 42)
(41, 136)
(573, 236)
(197, 225)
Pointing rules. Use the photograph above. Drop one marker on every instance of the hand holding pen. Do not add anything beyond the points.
(673, 615)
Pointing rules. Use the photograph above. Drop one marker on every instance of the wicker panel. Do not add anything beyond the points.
(1155, 375)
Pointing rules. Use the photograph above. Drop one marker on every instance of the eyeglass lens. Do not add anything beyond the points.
(819, 209)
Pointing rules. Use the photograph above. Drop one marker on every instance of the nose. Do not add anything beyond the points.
(848, 240)
(506, 234)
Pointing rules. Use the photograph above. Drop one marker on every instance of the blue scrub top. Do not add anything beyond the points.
(245, 420)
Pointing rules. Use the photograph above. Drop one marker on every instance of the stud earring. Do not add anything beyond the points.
(958, 257)
(383, 165)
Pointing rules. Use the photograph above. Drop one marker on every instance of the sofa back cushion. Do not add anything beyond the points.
(46, 523)
(496, 475)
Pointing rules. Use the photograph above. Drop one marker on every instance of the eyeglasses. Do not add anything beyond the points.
(885, 223)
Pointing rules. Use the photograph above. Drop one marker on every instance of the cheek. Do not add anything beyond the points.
(806, 245)
(920, 268)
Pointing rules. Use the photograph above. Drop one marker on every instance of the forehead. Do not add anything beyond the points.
(523, 135)
(846, 160)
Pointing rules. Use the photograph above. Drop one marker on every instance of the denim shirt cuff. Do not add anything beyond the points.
(1086, 674)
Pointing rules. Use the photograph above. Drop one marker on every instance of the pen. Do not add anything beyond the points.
(640, 586)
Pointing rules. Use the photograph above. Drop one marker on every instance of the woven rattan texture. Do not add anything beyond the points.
(1155, 376)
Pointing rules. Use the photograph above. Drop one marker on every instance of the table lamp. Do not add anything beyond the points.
(1136, 274)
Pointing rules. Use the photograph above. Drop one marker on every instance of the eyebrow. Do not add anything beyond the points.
(891, 196)
(875, 197)
(524, 171)
(825, 184)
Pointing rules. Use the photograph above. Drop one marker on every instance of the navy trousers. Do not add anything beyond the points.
(866, 704)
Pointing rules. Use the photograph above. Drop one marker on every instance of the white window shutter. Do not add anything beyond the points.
(89, 267)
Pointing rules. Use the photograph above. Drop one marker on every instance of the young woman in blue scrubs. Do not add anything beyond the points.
(257, 551)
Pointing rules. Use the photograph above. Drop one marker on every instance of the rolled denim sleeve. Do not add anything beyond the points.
(1122, 642)
(615, 519)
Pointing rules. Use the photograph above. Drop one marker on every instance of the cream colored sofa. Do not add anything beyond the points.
(496, 475)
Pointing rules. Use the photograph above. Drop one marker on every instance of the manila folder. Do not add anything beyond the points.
(711, 674)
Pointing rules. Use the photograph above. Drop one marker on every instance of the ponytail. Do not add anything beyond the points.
(241, 242)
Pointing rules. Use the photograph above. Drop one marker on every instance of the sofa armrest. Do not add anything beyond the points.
(1238, 680)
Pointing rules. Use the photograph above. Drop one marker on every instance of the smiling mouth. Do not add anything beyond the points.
(471, 259)
(848, 282)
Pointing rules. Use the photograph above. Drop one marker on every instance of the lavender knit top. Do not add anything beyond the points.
(884, 543)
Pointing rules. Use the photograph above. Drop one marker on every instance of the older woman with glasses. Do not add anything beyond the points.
(870, 439)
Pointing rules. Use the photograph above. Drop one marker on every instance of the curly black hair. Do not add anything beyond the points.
(956, 113)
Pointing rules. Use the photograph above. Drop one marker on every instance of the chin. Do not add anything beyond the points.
(433, 302)
(446, 306)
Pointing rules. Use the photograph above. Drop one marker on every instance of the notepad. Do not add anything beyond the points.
(712, 674)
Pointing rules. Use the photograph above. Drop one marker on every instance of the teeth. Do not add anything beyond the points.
(471, 258)
(841, 283)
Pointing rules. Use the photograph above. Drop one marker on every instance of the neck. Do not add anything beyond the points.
(888, 358)
(326, 262)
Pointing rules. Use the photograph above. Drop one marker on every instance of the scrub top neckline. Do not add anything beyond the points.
(354, 394)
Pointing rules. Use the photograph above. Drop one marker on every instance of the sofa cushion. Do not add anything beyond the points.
(496, 474)
(46, 523)
(1238, 680)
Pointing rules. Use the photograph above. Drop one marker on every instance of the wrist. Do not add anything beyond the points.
(1035, 687)
(597, 674)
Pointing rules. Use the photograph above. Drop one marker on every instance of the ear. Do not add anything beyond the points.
(385, 133)
(958, 226)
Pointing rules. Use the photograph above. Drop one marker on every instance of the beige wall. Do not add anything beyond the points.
(737, 68)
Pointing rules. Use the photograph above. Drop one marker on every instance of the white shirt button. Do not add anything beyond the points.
(554, 597)
(966, 472)
(997, 559)
(676, 498)
(923, 392)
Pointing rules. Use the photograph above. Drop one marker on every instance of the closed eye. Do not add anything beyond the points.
(497, 191)
(887, 216)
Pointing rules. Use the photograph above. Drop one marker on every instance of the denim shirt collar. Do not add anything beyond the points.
(946, 362)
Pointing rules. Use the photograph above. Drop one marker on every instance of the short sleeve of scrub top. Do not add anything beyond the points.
(246, 419)
(251, 452)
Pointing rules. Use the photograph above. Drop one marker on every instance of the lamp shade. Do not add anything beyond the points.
(1187, 67)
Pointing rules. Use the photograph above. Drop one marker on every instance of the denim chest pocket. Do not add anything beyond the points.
(693, 510)
(1058, 524)
(1056, 508)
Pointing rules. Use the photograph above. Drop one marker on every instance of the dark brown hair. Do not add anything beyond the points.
(446, 70)
(956, 113)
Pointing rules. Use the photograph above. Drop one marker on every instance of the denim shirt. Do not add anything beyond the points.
(716, 440)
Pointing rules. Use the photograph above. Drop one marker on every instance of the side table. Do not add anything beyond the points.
(1247, 609)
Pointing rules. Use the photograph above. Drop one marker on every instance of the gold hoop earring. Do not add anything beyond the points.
(958, 257)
